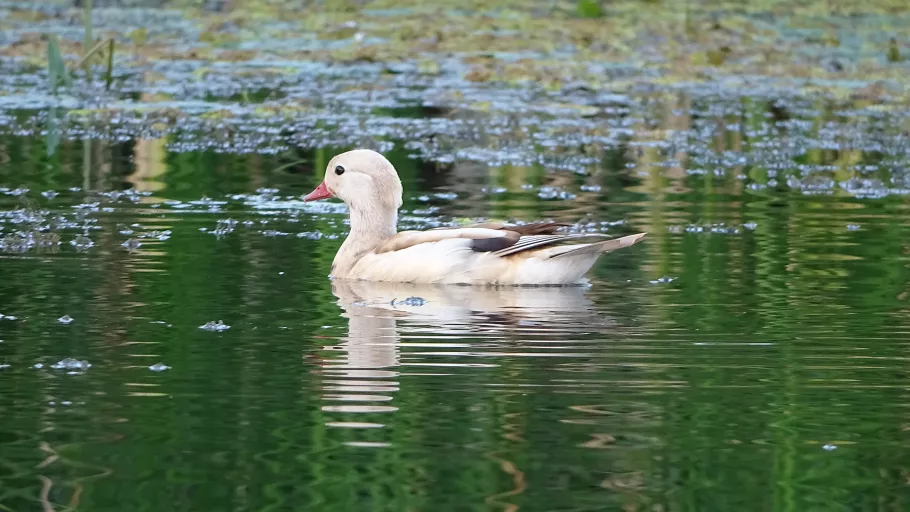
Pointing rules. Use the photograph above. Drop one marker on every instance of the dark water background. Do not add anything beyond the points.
(751, 354)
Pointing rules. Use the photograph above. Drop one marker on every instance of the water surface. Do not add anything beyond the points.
(749, 355)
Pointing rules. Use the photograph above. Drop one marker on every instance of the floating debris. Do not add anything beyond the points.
(549, 193)
(218, 326)
(82, 243)
(71, 364)
(66, 319)
(410, 301)
(131, 244)
(224, 227)
(157, 235)
(159, 367)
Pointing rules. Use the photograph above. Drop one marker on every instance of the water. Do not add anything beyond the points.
(749, 355)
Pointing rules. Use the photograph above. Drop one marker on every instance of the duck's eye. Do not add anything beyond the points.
(339, 170)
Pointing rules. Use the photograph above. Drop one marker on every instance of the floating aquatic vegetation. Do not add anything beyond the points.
(71, 364)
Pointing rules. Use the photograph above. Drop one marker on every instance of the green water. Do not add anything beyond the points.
(751, 354)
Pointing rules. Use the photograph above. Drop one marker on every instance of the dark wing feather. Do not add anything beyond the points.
(518, 238)
(493, 244)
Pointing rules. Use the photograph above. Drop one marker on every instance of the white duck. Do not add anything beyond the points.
(481, 254)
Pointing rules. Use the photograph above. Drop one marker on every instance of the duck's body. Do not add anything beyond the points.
(483, 254)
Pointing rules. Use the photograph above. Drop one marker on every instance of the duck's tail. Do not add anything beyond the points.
(597, 248)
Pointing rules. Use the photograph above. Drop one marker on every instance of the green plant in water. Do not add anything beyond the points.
(88, 40)
(85, 60)
(56, 69)
(288, 166)
(894, 53)
(590, 9)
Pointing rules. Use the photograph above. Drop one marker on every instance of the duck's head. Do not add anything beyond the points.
(363, 179)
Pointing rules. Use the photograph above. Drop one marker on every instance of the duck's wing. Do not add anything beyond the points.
(481, 239)
(499, 239)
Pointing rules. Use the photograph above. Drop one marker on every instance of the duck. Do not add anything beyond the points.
(482, 254)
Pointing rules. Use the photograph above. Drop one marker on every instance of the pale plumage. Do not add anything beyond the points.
(482, 254)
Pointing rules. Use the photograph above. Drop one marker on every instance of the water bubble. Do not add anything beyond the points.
(65, 319)
(159, 367)
(218, 326)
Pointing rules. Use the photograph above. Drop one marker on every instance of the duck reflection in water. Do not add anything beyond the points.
(365, 374)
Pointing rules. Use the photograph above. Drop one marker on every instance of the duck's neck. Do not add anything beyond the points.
(369, 228)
